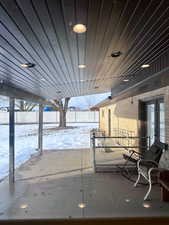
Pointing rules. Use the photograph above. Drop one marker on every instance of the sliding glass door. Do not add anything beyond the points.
(155, 120)
(161, 122)
(151, 121)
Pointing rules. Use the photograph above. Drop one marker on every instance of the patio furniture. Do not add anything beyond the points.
(163, 179)
(147, 163)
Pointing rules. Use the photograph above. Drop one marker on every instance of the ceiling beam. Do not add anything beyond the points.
(10, 91)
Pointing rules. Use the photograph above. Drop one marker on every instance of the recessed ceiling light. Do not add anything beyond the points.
(82, 66)
(82, 205)
(27, 65)
(82, 80)
(79, 28)
(145, 66)
(42, 79)
(23, 206)
(146, 205)
(116, 54)
(126, 80)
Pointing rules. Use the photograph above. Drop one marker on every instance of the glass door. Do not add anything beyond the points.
(161, 122)
(151, 122)
(155, 120)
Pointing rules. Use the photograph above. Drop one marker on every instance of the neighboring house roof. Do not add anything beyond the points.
(93, 108)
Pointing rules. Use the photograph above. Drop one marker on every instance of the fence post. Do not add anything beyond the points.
(94, 152)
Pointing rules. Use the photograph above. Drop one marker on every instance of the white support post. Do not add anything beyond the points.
(40, 131)
(11, 140)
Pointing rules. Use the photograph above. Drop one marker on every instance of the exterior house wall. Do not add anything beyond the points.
(125, 114)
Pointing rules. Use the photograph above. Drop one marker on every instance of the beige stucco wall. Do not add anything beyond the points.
(125, 113)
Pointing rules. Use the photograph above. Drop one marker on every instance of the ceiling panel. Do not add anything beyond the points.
(41, 32)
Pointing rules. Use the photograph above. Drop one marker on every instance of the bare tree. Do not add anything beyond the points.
(25, 106)
(62, 106)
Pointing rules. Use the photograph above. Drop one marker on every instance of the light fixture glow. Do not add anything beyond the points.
(23, 206)
(116, 54)
(126, 80)
(82, 205)
(79, 28)
(127, 200)
(27, 65)
(82, 66)
(146, 205)
(82, 80)
(145, 66)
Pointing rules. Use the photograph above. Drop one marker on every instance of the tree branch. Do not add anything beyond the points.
(58, 103)
(30, 107)
(53, 106)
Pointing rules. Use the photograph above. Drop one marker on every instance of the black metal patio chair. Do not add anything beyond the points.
(146, 163)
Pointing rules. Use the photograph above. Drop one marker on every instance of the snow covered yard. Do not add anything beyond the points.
(26, 141)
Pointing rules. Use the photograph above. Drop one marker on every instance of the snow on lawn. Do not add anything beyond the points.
(26, 141)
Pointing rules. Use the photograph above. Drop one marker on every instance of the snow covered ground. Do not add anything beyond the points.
(26, 141)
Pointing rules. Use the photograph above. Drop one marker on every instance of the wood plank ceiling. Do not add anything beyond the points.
(41, 32)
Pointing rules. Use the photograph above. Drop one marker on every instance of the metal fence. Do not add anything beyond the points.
(107, 151)
(51, 117)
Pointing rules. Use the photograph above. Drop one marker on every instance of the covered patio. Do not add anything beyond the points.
(61, 184)
(51, 51)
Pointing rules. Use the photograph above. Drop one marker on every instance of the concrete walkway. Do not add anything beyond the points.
(61, 184)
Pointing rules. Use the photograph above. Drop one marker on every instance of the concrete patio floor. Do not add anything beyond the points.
(54, 184)
(110, 156)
